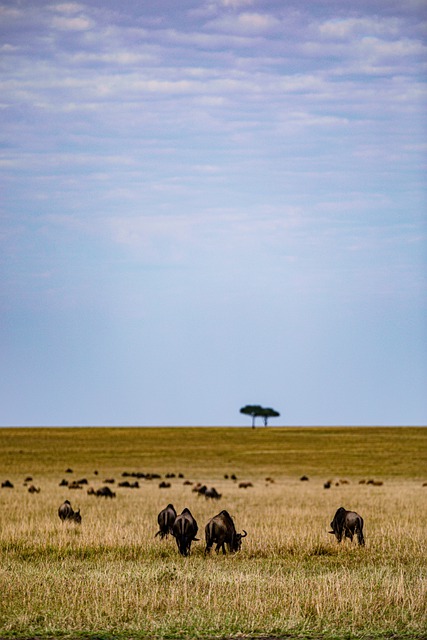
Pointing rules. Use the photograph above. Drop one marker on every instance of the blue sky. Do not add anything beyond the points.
(212, 203)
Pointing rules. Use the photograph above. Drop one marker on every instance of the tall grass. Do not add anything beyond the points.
(111, 575)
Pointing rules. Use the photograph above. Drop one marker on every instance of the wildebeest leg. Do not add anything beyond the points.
(349, 534)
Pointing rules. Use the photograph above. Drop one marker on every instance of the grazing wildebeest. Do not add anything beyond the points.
(33, 489)
(66, 512)
(7, 484)
(347, 523)
(221, 530)
(245, 485)
(184, 530)
(106, 492)
(75, 485)
(166, 518)
(212, 493)
(199, 488)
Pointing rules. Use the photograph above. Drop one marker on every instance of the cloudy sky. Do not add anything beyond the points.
(209, 203)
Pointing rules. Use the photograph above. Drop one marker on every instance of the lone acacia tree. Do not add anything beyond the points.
(268, 413)
(255, 410)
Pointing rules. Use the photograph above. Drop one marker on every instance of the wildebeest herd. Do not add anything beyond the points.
(220, 530)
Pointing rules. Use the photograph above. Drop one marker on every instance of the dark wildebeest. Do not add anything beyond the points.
(221, 529)
(245, 485)
(106, 492)
(33, 489)
(184, 530)
(212, 493)
(66, 512)
(347, 523)
(166, 518)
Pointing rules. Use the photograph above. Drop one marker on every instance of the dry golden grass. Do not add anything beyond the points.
(112, 578)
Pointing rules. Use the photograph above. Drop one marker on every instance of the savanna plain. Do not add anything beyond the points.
(110, 577)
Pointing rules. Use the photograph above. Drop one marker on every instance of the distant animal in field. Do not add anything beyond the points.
(199, 488)
(7, 484)
(130, 485)
(33, 489)
(213, 494)
(66, 512)
(109, 481)
(347, 523)
(105, 492)
(220, 530)
(74, 485)
(245, 485)
(63, 483)
(304, 478)
(184, 530)
(166, 519)
(164, 485)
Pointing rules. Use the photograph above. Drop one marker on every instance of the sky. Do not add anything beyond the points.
(211, 203)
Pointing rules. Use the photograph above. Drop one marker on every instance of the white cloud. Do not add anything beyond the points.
(67, 7)
(246, 23)
(350, 27)
(72, 24)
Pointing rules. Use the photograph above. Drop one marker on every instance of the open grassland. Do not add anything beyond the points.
(111, 578)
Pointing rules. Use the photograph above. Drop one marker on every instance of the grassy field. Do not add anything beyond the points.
(111, 578)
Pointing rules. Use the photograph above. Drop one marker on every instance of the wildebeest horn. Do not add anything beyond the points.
(244, 536)
(331, 531)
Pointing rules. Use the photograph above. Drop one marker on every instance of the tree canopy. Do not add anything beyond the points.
(255, 410)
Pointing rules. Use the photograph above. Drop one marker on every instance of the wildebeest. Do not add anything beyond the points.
(7, 484)
(74, 485)
(33, 489)
(166, 518)
(184, 530)
(130, 485)
(212, 493)
(66, 512)
(221, 530)
(347, 523)
(105, 492)
(199, 488)
(245, 485)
